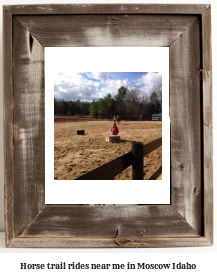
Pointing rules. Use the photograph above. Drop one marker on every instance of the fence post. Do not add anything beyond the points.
(137, 164)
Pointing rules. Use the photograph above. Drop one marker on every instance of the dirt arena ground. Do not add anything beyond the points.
(75, 155)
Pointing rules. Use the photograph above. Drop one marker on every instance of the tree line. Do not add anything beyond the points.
(68, 107)
(129, 104)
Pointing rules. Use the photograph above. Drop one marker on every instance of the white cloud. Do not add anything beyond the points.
(113, 85)
(102, 76)
(75, 85)
(79, 85)
(152, 81)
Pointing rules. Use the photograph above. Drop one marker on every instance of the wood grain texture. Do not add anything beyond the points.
(208, 183)
(29, 157)
(185, 116)
(33, 242)
(8, 125)
(107, 30)
(106, 9)
(207, 67)
(207, 122)
(188, 222)
(109, 222)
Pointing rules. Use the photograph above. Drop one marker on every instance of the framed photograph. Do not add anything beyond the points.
(108, 43)
(121, 85)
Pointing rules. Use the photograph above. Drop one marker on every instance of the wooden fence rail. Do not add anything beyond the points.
(156, 174)
(68, 120)
(114, 167)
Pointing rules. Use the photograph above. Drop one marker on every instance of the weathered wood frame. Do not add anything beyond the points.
(186, 29)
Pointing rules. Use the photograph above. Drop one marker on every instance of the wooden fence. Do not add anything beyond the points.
(67, 120)
(114, 167)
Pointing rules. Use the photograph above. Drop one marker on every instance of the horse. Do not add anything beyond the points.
(118, 119)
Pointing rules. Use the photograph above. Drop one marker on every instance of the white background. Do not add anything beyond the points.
(139, 59)
(205, 257)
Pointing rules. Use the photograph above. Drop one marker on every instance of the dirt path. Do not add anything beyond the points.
(75, 155)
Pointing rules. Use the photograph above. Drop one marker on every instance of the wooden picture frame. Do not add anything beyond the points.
(186, 30)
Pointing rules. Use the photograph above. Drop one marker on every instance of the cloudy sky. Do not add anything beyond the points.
(89, 86)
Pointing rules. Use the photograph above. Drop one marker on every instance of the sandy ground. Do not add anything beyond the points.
(75, 155)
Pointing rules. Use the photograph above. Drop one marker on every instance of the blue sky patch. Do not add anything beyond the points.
(89, 86)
